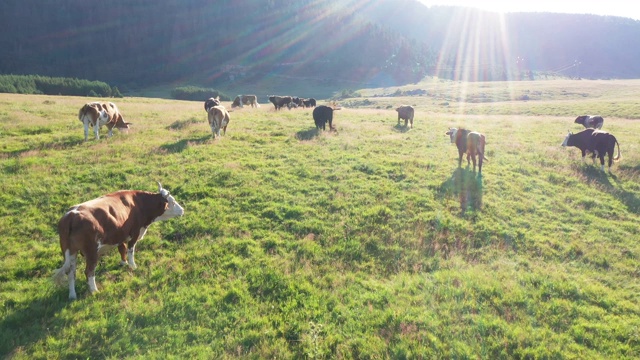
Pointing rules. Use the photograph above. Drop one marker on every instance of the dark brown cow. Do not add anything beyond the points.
(323, 115)
(118, 219)
(218, 118)
(280, 101)
(311, 102)
(405, 112)
(97, 114)
(599, 143)
(470, 143)
(211, 102)
(242, 100)
(588, 121)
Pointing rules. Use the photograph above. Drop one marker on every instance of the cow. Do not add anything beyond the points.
(405, 112)
(211, 102)
(597, 142)
(311, 102)
(117, 219)
(218, 118)
(470, 143)
(97, 114)
(588, 121)
(279, 101)
(321, 115)
(242, 100)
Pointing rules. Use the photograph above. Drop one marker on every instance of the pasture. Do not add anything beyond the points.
(363, 243)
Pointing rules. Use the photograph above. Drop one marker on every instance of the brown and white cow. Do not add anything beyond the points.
(242, 100)
(599, 143)
(218, 118)
(118, 219)
(588, 121)
(470, 143)
(405, 112)
(98, 114)
(211, 102)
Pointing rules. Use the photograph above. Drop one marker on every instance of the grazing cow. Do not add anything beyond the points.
(321, 115)
(597, 142)
(97, 114)
(118, 219)
(593, 122)
(218, 118)
(211, 102)
(242, 100)
(405, 112)
(470, 143)
(280, 101)
(309, 102)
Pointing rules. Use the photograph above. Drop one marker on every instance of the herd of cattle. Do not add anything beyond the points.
(121, 219)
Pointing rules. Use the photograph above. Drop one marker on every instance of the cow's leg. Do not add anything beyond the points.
(72, 273)
(85, 122)
(122, 249)
(411, 121)
(602, 161)
(96, 130)
(91, 258)
(132, 249)
(459, 158)
(110, 132)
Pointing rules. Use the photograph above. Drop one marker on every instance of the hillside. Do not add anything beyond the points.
(367, 242)
(263, 46)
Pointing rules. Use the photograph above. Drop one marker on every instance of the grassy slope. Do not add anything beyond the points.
(364, 243)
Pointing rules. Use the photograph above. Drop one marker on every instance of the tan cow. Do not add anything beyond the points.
(218, 118)
(118, 219)
(97, 114)
(470, 143)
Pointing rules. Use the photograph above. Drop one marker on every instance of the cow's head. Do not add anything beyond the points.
(172, 208)
(581, 119)
(236, 102)
(452, 134)
(566, 139)
(211, 102)
(121, 124)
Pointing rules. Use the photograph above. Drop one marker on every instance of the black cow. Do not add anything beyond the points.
(597, 142)
(588, 121)
(321, 115)
(279, 101)
(309, 102)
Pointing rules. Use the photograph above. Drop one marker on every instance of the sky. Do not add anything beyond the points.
(624, 8)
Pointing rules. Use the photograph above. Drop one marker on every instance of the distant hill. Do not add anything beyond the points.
(342, 42)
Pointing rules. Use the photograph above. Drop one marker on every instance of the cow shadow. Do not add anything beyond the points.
(308, 134)
(181, 124)
(595, 176)
(63, 144)
(181, 145)
(20, 316)
(468, 187)
(401, 128)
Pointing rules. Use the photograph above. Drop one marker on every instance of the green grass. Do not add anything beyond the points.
(367, 242)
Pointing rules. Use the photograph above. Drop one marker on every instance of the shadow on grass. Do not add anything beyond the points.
(181, 124)
(30, 322)
(401, 128)
(308, 134)
(181, 145)
(595, 176)
(66, 143)
(467, 186)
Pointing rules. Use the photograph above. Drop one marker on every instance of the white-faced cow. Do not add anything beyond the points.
(242, 100)
(470, 143)
(280, 101)
(405, 112)
(599, 143)
(218, 118)
(118, 219)
(211, 102)
(322, 115)
(98, 114)
(588, 121)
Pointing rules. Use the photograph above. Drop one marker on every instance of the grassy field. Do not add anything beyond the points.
(363, 243)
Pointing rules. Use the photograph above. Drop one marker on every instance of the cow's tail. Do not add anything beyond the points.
(480, 147)
(64, 229)
(82, 113)
(619, 156)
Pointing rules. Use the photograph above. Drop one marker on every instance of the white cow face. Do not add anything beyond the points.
(566, 140)
(173, 208)
(452, 134)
